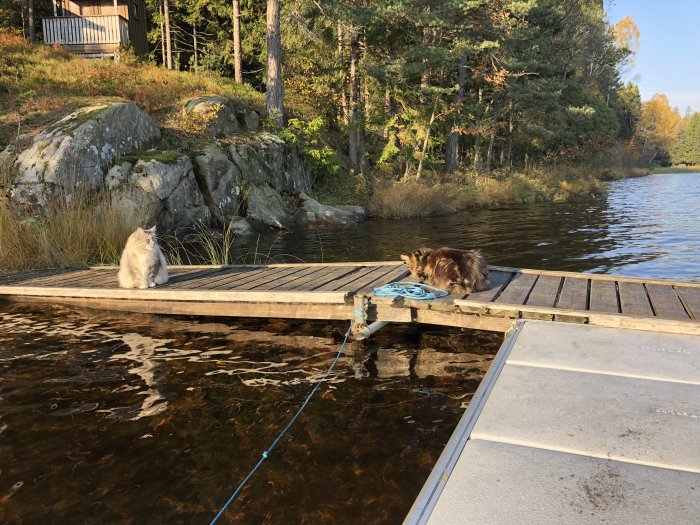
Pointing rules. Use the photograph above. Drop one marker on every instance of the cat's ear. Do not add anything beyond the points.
(151, 230)
(405, 258)
(139, 231)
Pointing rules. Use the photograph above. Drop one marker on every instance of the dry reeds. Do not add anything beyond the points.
(88, 230)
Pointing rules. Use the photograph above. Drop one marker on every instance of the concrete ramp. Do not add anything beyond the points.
(576, 424)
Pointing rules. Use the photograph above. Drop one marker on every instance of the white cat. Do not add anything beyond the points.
(142, 264)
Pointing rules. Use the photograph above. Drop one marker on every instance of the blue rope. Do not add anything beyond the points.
(410, 290)
(266, 453)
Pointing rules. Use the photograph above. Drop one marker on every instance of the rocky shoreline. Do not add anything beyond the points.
(241, 176)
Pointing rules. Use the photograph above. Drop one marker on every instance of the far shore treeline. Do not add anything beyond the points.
(420, 92)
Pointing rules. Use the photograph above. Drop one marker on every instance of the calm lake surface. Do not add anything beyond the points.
(647, 227)
(120, 418)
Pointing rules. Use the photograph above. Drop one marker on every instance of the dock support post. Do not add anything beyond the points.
(366, 331)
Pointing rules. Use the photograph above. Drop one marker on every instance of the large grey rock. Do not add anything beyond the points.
(266, 205)
(184, 207)
(313, 213)
(160, 178)
(219, 181)
(266, 158)
(75, 152)
(134, 204)
(216, 115)
(117, 174)
(250, 119)
(241, 227)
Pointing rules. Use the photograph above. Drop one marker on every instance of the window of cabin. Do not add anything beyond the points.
(135, 11)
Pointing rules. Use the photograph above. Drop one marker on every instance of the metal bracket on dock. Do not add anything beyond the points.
(360, 329)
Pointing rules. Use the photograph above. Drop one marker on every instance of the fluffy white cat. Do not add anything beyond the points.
(142, 264)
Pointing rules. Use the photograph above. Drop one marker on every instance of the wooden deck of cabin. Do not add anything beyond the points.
(332, 291)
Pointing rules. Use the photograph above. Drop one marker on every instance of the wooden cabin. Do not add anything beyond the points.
(97, 27)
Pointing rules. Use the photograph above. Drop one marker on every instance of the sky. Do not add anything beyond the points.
(667, 61)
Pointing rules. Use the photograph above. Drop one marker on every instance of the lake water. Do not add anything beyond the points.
(120, 418)
(647, 227)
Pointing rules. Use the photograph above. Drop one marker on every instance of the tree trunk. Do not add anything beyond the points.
(476, 163)
(425, 64)
(194, 42)
(511, 127)
(275, 104)
(168, 43)
(489, 151)
(354, 120)
(162, 36)
(424, 150)
(388, 110)
(30, 21)
(236, 15)
(344, 78)
(452, 147)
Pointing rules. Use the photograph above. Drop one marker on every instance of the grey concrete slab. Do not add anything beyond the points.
(497, 483)
(632, 353)
(630, 419)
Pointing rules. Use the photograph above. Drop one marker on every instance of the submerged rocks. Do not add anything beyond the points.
(76, 151)
(267, 206)
(313, 213)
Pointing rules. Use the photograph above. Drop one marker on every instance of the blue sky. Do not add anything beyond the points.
(668, 57)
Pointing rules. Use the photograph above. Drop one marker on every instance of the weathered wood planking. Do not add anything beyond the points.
(278, 289)
(667, 304)
(574, 294)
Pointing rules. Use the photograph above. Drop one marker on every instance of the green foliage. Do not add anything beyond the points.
(319, 157)
(686, 148)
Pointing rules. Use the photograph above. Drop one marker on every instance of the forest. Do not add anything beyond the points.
(412, 90)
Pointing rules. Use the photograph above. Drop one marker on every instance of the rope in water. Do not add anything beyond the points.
(266, 453)
(410, 290)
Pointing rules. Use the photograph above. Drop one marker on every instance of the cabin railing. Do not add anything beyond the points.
(80, 30)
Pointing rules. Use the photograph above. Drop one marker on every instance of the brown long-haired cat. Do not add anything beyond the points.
(142, 264)
(458, 271)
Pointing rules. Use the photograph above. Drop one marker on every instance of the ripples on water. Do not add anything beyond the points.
(646, 227)
(147, 419)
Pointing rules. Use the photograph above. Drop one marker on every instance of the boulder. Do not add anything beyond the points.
(241, 226)
(219, 180)
(117, 174)
(160, 178)
(250, 119)
(215, 114)
(134, 204)
(267, 206)
(184, 207)
(266, 158)
(75, 152)
(313, 213)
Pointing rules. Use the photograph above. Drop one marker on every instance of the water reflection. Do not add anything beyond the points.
(647, 227)
(146, 419)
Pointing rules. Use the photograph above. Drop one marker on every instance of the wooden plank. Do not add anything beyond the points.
(603, 296)
(18, 277)
(162, 293)
(279, 283)
(475, 322)
(691, 300)
(266, 277)
(335, 273)
(598, 276)
(230, 275)
(517, 290)
(574, 294)
(545, 291)
(337, 284)
(379, 272)
(322, 274)
(58, 280)
(201, 281)
(238, 278)
(497, 281)
(330, 312)
(634, 300)
(396, 274)
(666, 302)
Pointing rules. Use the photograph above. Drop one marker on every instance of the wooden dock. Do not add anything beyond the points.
(577, 420)
(575, 424)
(333, 291)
